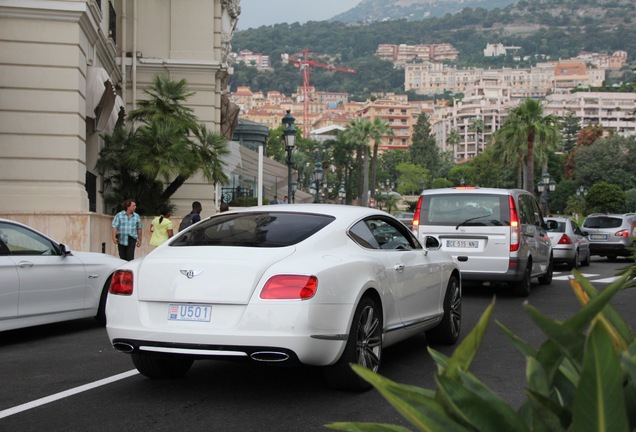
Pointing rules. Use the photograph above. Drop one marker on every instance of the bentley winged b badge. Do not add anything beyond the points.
(191, 273)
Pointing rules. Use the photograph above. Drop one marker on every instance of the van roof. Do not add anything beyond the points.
(474, 189)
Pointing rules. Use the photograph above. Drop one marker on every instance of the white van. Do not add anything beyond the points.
(494, 235)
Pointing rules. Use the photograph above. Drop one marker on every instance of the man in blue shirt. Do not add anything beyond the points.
(127, 230)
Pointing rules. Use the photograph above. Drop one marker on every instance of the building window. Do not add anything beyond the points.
(112, 23)
(91, 190)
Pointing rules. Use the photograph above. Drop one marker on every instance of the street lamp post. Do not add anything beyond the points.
(342, 193)
(318, 173)
(292, 197)
(544, 186)
(289, 136)
(581, 192)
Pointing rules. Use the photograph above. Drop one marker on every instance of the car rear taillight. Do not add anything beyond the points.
(514, 226)
(622, 233)
(565, 239)
(290, 287)
(416, 215)
(121, 283)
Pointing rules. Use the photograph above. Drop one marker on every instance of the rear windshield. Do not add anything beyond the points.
(273, 229)
(465, 209)
(602, 222)
(560, 227)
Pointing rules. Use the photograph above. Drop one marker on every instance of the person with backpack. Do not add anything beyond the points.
(161, 227)
(193, 217)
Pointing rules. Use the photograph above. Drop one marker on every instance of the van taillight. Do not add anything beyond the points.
(121, 283)
(514, 226)
(416, 215)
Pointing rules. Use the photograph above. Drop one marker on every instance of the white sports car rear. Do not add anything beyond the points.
(323, 285)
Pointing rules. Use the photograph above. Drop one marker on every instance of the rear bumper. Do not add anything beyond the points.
(563, 255)
(609, 249)
(265, 354)
(516, 269)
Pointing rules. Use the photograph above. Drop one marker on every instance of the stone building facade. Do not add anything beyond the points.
(71, 69)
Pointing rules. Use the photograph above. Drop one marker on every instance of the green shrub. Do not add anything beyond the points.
(245, 202)
(582, 378)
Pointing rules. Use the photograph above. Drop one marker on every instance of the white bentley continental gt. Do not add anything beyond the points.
(321, 285)
(42, 281)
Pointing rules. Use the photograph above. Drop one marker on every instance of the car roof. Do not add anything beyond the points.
(336, 210)
(475, 190)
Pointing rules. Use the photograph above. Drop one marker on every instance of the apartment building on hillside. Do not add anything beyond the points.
(431, 78)
(613, 111)
(603, 60)
(256, 60)
(403, 53)
(482, 111)
(399, 117)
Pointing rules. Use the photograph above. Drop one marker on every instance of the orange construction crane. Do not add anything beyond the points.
(304, 65)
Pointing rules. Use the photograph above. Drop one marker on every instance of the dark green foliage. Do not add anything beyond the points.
(570, 130)
(581, 378)
(611, 160)
(424, 150)
(604, 197)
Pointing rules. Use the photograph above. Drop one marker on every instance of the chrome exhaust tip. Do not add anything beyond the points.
(124, 347)
(269, 356)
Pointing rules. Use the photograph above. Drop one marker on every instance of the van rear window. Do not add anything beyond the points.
(469, 209)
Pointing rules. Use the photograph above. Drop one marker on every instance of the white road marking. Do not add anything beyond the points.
(561, 276)
(48, 399)
(587, 276)
(607, 280)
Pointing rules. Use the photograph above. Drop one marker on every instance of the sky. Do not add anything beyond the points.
(256, 13)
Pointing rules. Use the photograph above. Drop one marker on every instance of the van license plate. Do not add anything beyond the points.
(189, 312)
(462, 244)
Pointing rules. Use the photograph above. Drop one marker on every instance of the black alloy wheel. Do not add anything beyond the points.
(364, 347)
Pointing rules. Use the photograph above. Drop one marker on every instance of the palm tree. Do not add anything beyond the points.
(360, 131)
(165, 102)
(452, 139)
(478, 126)
(169, 146)
(380, 128)
(343, 149)
(526, 126)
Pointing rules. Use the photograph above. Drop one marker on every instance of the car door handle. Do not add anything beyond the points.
(25, 264)
(399, 267)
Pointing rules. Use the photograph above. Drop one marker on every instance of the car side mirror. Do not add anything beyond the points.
(65, 251)
(431, 243)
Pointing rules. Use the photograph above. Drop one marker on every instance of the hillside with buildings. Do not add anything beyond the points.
(458, 98)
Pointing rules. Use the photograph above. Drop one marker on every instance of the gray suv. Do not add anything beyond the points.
(610, 234)
(494, 235)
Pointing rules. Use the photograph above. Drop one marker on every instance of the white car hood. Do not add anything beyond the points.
(204, 274)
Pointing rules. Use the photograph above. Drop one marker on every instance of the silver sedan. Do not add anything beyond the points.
(570, 245)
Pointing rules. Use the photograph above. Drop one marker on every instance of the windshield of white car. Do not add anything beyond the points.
(254, 229)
